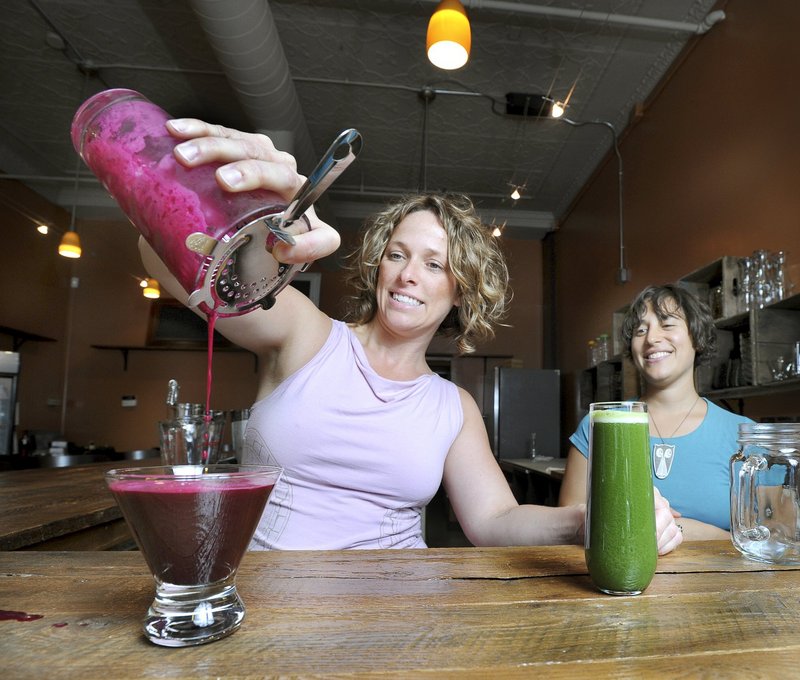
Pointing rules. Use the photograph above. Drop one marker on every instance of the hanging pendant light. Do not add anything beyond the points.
(449, 37)
(151, 289)
(70, 245)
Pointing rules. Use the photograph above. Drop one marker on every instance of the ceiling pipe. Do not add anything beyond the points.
(245, 39)
(602, 17)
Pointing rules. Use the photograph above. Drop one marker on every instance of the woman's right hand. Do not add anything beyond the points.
(668, 533)
(251, 161)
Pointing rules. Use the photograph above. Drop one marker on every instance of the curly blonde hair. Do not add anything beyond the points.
(474, 258)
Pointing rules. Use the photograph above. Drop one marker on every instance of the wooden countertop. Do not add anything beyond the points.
(61, 508)
(543, 465)
(448, 612)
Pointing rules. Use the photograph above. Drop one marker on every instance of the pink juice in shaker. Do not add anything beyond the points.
(204, 235)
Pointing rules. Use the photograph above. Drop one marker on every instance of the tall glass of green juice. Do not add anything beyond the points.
(621, 549)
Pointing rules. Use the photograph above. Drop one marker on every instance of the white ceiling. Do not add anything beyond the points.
(306, 69)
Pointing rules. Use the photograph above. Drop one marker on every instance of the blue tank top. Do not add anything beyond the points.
(698, 484)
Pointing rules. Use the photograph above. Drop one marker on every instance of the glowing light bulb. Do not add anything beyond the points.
(557, 110)
(70, 245)
(515, 194)
(449, 37)
(151, 289)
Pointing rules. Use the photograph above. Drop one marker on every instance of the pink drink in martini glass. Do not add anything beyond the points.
(193, 525)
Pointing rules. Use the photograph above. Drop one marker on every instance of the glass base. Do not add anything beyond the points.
(183, 616)
(607, 591)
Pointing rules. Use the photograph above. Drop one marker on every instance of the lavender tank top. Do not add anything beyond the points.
(362, 455)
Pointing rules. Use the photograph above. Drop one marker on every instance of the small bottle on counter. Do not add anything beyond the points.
(797, 358)
(591, 353)
(172, 399)
(602, 348)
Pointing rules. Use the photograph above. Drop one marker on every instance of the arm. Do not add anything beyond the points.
(695, 530)
(573, 486)
(482, 500)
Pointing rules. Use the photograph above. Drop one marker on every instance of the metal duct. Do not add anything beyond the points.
(245, 39)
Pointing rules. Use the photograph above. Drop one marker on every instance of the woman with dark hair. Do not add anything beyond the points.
(666, 333)
(365, 431)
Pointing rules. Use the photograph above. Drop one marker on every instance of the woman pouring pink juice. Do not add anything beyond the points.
(217, 244)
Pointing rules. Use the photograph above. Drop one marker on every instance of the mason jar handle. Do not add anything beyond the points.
(746, 500)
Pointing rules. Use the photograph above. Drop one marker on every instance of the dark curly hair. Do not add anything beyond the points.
(474, 258)
(673, 299)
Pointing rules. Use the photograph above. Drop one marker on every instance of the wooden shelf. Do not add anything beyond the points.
(748, 342)
(18, 337)
(126, 349)
(788, 385)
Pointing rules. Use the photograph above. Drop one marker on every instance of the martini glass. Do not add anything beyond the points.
(193, 524)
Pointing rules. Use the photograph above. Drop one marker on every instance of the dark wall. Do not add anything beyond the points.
(69, 388)
(712, 168)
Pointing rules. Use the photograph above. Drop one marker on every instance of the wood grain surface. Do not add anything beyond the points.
(62, 508)
(466, 612)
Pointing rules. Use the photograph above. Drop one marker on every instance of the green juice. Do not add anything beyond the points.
(621, 549)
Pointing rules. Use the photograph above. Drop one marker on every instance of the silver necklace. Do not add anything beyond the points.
(664, 454)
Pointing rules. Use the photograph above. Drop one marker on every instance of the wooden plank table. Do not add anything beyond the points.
(449, 612)
(62, 508)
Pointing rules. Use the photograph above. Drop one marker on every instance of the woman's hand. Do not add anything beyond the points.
(251, 161)
(668, 533)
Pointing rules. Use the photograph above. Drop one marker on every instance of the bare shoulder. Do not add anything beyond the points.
(468, 405)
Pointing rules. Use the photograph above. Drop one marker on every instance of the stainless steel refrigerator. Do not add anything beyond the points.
(525, 401)
(9, 374)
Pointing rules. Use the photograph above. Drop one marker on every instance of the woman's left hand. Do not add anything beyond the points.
(251, 161)
(668, 533)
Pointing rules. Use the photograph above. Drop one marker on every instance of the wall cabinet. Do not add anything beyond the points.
(752, 345)
(612, 380)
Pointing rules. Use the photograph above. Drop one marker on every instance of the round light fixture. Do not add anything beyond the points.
(151, 289)
(449, 36)
(70, 245)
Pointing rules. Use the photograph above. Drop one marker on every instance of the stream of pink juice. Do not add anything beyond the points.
(212, 322)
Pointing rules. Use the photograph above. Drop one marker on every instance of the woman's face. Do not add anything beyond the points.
(416, 289)
(662, 349)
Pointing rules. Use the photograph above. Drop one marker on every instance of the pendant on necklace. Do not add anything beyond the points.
(663, 456)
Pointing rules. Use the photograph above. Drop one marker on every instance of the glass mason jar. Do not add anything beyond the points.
(765, 503)
(213, 241)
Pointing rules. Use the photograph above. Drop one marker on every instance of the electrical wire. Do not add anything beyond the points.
(623, 270)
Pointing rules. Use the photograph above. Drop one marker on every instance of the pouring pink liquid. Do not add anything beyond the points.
(217, 244)
(122, 137)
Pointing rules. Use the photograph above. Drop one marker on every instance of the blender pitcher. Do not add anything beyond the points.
(765, 492)
(217, 244)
